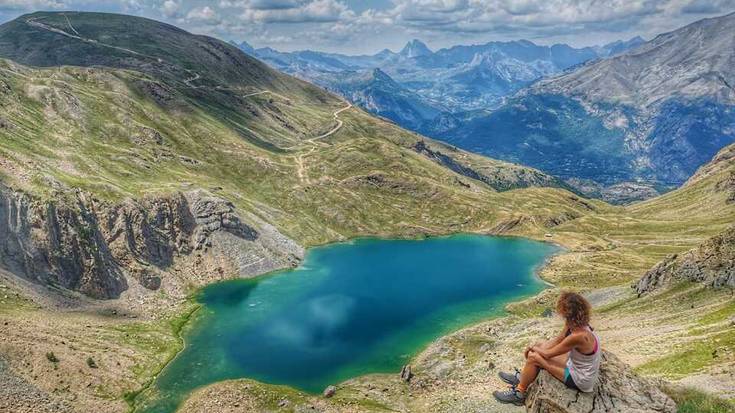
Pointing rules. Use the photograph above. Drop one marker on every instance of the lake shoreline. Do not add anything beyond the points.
(536, 273)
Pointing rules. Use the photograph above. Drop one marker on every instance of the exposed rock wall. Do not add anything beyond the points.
(712, 263)
(57, 245)
(94, 248)
(618, 391)
(503, 178)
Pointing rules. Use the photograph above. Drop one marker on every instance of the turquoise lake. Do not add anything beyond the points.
(365, 306)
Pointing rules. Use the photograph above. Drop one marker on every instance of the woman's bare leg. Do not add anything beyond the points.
(535, 363)
(529, 372)
(555, 366)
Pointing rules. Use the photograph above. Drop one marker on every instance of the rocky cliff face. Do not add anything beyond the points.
(619, 390)
(712, 263)
(88, 246)
(57, 245)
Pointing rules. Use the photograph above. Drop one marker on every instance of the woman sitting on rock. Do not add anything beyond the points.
(573, 356)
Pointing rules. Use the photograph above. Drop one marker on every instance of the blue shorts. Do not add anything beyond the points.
(569, 381)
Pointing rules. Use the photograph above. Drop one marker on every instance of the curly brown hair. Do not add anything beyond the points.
(575, 309)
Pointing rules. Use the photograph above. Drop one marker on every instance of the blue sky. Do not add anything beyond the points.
(361, 26)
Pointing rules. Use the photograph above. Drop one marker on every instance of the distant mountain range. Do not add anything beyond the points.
(652, 115)
(623, 121)
(456, 79)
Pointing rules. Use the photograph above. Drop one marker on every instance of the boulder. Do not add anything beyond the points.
(406, 374)
(329, 391)
(618, 390)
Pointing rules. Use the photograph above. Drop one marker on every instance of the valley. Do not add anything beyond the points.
(140, 163)
(622, 122)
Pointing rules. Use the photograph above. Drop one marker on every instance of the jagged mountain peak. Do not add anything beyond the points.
(415, 48)
(245, 47)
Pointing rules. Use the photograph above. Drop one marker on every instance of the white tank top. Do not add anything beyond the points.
(585, 368)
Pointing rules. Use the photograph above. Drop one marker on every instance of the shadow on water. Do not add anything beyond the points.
(352, 309)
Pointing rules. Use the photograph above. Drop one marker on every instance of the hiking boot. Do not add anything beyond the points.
(510, 396)
(511, 378)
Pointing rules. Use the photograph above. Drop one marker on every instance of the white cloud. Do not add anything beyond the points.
(32, 4)
(333, 24)
(170, 8)
(489, 15)
(293, 11)
(204, 14)
(273, 4)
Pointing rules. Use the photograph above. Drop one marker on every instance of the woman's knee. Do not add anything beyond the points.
(534, 359)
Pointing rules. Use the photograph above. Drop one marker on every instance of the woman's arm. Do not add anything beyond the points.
(558, 339)
(549, 343)
(565, 346)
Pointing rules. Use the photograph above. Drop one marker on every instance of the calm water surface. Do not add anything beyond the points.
(360, 307)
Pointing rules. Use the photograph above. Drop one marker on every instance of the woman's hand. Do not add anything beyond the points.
(528, 350)
(532, 348)
(540, 351)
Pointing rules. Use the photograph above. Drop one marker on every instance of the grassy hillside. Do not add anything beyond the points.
(127, 118)
(129, 123)
(101, 131)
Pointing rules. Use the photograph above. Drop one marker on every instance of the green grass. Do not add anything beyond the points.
(694, 356)
(162, 341)
(724, 313)
(94, 144)
(694, 401)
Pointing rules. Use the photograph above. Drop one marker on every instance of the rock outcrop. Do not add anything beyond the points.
(712, 263)
(61, 246)
(86, 245)
(503, 178)
(618, 391)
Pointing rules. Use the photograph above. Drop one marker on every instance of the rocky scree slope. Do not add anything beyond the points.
(652, 115)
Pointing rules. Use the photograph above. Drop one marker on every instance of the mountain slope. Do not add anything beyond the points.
(278, 159)
(378, 93)
(195, 70)
(652, 115)
(712, 263)
(100, 39)
(620, 46)
(693, 62)
(461, 77)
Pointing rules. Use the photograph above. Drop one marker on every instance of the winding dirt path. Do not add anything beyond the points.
(336, 128)
(300, 162)
(33, 21)
(301, 165)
